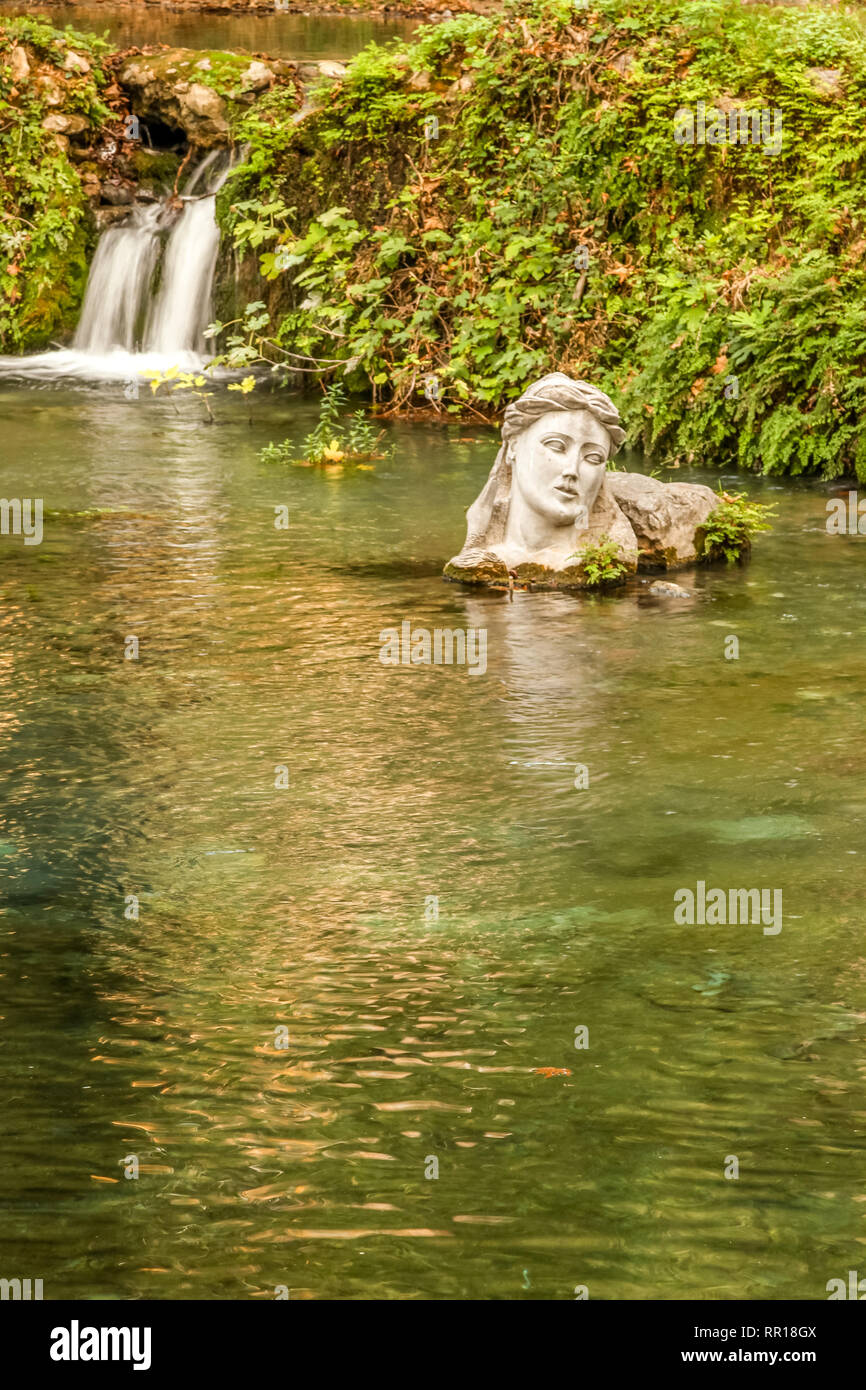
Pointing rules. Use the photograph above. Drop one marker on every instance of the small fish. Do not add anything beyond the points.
(552, 1071)
(526, 1283)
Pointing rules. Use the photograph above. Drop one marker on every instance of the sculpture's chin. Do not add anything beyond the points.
(564, 515)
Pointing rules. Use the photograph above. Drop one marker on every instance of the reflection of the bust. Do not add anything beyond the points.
(553, 675)
(536, 643)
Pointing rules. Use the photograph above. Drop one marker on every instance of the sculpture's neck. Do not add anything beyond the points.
(526, 530)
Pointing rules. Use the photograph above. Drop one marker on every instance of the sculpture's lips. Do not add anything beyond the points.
(567, 492)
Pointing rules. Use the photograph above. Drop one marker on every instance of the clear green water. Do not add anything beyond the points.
(307, 37)
(305, 907)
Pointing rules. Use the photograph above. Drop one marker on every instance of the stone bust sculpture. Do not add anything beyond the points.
(549, 496)
(546, 494)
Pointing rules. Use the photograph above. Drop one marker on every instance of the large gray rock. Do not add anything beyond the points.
(665, 517)
(204, 114)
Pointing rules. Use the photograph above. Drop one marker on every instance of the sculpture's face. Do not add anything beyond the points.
(558, 466)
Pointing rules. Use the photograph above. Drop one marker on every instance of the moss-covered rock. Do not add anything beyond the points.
(202, 95)
(50, 96)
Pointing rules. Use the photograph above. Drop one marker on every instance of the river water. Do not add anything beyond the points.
(307, 907)
(309, 38)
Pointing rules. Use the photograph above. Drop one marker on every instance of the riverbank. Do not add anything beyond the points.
(451, 216)
(498, 199)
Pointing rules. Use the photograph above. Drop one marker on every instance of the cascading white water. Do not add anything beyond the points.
(119, 282)
(181, 310)
(148, 297)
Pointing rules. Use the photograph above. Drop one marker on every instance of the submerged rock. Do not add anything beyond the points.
(668, 589)
(607, 523)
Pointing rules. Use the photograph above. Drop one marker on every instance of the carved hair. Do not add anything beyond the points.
(488, 515)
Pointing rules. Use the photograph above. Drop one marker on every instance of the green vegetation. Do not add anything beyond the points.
(44, 233)
(600, 562)
(723, 304)
(729, 528)
(505, 196)
(334, 440)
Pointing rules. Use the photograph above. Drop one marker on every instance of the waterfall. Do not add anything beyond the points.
(181, 311)
(119, 282)
(148, 296)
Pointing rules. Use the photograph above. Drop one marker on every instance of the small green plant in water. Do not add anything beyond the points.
(729, 528)
(334, 440)
(176, 380)
(600, 562)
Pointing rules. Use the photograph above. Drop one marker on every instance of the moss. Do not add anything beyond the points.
(154, 168)
(223, 73)
(494, 574)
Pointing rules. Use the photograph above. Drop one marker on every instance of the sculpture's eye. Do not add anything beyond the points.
(595, 458)
(556, 444)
